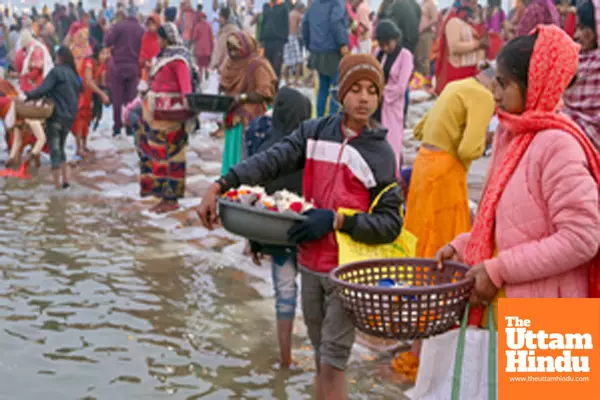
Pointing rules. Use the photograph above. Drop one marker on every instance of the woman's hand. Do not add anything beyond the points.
(237, 101)
(446, 253)
(207, 211)
(484, 290)
(104, 99)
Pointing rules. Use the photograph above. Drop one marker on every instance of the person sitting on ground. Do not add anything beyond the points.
(347, 162)
(33, 63)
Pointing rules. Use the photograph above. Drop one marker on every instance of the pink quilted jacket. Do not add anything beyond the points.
(547, 220)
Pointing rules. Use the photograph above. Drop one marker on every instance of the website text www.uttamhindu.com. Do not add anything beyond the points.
(530, 378)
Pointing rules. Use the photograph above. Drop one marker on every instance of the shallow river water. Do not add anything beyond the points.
(96, 303)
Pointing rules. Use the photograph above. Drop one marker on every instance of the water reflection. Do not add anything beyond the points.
(95, 303)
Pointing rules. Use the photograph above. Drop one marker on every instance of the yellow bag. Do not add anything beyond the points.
(405, 245)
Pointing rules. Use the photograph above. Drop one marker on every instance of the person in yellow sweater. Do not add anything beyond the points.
(452, 134)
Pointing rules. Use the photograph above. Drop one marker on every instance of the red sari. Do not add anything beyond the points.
(445, 72)
(81, 125)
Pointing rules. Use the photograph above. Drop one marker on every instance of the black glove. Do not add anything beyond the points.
(318, 224)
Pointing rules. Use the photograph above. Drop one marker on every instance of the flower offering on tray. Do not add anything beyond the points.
(281, 201)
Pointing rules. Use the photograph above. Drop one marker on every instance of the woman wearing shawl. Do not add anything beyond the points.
(35, 66)
(150, 46)
(250, 78)
(290, 108)
(397, 63)
(460, 47)
(89, 71)
(537, 232)
(537, 12)
(78, 41)
(582, 100)
(161, 144)
(203, 42)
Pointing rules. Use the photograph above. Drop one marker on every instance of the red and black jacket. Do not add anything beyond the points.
(338, 172)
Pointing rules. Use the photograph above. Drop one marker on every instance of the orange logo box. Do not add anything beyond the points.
(549, 349)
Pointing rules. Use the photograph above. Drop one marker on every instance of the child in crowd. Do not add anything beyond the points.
(347, 162)
(290, 108)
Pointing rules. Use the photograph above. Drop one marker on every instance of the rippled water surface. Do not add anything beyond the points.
(96, 303)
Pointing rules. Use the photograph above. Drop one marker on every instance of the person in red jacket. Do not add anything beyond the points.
(202, 41)
(150, 45)
(347, 162)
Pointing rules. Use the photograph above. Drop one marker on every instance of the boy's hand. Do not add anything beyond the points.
(207, 211)
(318, 224)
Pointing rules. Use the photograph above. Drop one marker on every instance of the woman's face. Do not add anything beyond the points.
(104, 56)
(233, 51)
(388, 46)
(586, 37)
(151, 26)
(507, 93)
(222, 20)
(163, 43)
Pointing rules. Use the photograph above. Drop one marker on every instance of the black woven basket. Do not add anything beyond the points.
(433, 301)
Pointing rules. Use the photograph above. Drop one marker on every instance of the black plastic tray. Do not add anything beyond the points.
(209, 102)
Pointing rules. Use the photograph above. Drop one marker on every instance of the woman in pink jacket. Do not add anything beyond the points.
(537, 232)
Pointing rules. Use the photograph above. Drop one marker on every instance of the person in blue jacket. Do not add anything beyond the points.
(325, 30)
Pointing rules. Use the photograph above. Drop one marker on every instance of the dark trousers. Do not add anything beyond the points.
(56, 133)
(123, 89)
(274, 53)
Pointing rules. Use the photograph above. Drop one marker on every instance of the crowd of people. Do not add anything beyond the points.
(537, 231)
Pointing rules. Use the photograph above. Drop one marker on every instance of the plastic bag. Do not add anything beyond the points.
(472, 352)
(405, 245)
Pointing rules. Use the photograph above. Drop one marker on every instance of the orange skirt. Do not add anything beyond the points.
(437, 208)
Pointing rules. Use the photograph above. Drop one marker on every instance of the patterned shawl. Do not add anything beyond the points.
(552, 67)
(582, 101)
(78, 40)
(175, 51)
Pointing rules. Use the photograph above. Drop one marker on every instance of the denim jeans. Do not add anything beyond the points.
(325, 83)
(57, 132)
(285, 270)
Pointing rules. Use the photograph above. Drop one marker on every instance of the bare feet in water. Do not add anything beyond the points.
(164, 207)
(12, 162)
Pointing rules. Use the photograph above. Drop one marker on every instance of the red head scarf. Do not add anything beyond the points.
(552, 67)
